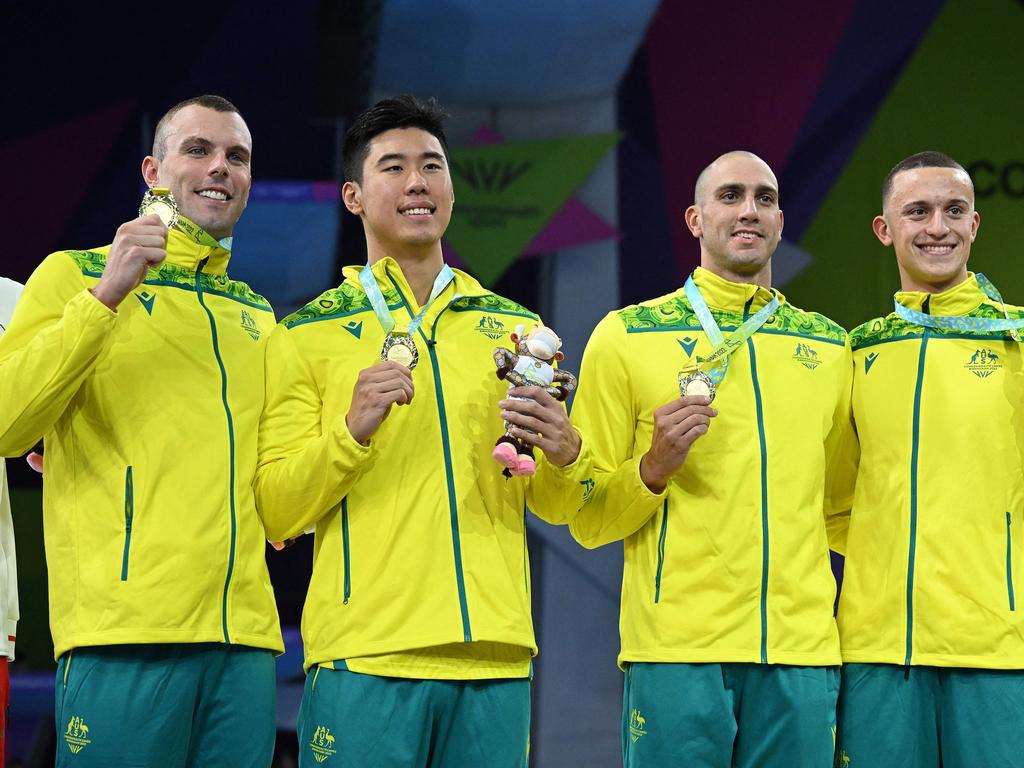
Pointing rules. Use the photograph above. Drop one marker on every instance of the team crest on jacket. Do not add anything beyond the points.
(250, 327)
(77, 734)
(146, 299)
(983, 363)
(491, 327)
(806, 356)
(637, 725)
(353, 327)
(322, 744)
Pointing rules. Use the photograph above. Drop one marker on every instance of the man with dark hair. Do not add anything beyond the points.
(381, 415)
(141, 364)
(932, 637)
(729, 646)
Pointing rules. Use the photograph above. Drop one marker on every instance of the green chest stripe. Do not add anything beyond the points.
(446, 449)
(914, 453)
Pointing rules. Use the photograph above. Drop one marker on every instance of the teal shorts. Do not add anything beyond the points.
(729, 716)
(173, 706)
(930, 716)
(350, 719)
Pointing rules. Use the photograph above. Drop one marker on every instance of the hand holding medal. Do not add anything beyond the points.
(138, 246)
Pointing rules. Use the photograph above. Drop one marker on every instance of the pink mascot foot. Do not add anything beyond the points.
(524, 467)
(506, 455)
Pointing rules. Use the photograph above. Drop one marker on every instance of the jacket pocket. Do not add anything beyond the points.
(129, 514)
(661, 551)
(1009, 561)
(347, 578)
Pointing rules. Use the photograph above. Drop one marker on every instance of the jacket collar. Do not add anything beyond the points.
(962, 299)
(183, 251)
(728, 296)
(389, 275)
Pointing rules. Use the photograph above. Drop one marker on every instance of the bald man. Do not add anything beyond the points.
(712, 413)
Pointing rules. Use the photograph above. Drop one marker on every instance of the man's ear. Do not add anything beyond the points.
(151, 171)
(352, 196)
(881, 229)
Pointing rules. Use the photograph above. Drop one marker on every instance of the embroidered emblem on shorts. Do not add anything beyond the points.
(983, 363)
(249, 326)
(637, 725)
(806, 356)
(491, 327)
(322, 744)
(77, 735)
(842, 759)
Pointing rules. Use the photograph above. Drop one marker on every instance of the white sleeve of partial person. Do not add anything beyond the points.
(9, 292)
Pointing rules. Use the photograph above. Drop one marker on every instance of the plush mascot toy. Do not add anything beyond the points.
(532, 364)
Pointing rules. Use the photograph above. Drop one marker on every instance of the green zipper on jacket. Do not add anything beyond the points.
(344, 547)
(764, 492)
(914, 453)
(231, 448)
(453, 507)
(661, 551)
(129, 514)
(1009, 563)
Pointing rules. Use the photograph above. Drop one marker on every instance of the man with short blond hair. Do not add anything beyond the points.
(141, 363)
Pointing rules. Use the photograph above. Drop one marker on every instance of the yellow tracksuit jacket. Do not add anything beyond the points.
(420, 540)
(149, 416)
(731, 562)
(936, 536)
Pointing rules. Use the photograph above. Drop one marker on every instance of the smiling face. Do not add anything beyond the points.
(930, 221)
(737, 218)
(405, 197)
(206, 166)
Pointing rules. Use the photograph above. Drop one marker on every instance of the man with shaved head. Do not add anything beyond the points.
(931, 627)
(729, 644)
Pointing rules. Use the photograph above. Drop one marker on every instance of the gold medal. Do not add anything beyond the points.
(400, 348)
(160, 201)
(696, 382)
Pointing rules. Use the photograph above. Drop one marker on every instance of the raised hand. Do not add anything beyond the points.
(377, 389)
(139, 245)
(677, 425)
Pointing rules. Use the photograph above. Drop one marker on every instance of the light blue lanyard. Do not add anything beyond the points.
(965, 324)
(380, 306)
(724, 346)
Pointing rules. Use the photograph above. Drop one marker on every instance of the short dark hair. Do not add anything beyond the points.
(927, 159)
(405, 111)
(210, 101)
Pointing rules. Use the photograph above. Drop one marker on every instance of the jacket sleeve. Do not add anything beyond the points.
(605, 410)
(58, 333)
(842, 456)
(305, 468)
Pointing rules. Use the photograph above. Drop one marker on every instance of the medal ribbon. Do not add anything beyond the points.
(380, 306)
(965, 324)
(199, 235)
(724, 346)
